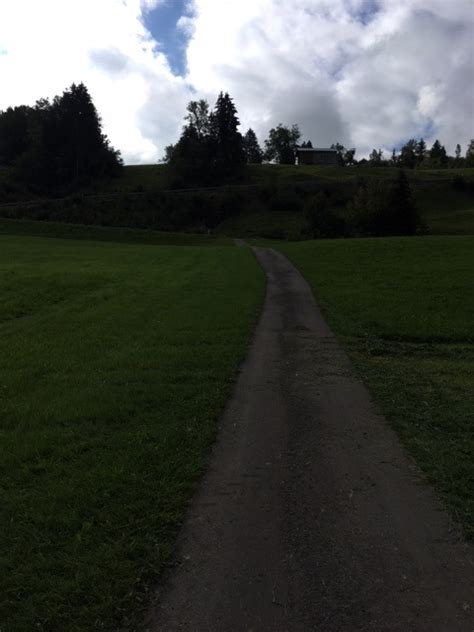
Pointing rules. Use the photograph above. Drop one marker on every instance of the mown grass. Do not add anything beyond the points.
(92, 232)
(404, 309)
(446, 211)
(267, 224)
(295, 173)
(116, 360)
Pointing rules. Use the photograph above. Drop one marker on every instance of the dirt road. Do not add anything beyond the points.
(311, 516)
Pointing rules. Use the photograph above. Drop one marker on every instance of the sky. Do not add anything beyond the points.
(365, 73)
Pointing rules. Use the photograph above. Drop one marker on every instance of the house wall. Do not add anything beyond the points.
(317, 158)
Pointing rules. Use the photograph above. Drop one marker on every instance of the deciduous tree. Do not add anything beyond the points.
(344, 156)
(376, 157)
(282, 143)
(438, 156)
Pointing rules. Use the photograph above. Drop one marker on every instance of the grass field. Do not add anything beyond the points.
(404, 309)
(116, 360)
(64, 230)
(149, 177)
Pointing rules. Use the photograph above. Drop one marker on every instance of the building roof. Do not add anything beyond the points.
(316, 149)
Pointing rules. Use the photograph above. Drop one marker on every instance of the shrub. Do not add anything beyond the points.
(320, 220)
(379, 209)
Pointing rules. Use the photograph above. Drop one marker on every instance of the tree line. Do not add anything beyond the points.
(414, 154)
(57, 145)
(211, 150)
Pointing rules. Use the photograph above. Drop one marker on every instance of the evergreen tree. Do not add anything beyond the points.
(190, 160)
(457, 153)
(229, 156)
(420, 151)
(168, 155)
(470, 154)
(394, 157)
(14, 133)
(408, 155)
(438, 156)
(282, 143)
(253, 152)
(83, 150)
(66, 145)
(210, 149)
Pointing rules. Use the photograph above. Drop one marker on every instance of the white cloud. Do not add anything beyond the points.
(363, 72)
(50, 44)
(368, 73)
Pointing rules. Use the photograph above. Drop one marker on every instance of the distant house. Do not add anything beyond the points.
(316, 156)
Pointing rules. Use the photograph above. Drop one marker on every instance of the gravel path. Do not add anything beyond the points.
(312, 516)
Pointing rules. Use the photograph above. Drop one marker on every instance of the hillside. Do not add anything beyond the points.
(267, 204)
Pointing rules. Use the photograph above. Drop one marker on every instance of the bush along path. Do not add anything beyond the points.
(311, 515)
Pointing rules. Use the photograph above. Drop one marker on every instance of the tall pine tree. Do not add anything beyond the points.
(210, 149)
(420, 152)
(253, 152)
(227, 142)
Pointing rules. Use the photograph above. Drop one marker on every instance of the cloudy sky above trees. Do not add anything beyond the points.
(366, 73)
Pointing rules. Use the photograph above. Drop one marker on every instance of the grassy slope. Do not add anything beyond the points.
(446, 211)
(115, 363)
(107, 233)
(404, 309)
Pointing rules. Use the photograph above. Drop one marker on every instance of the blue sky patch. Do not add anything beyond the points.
(367, 12)
(162, 23)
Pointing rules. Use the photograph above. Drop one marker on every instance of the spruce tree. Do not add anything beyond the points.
(211, 149)
(470, 154)
(227, 142)
(253, 152)
(420, 151)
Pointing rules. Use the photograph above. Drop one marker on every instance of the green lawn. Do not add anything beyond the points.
(404, 309)
(92, 232)
(266, 224)
(116, 360)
